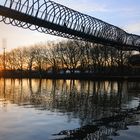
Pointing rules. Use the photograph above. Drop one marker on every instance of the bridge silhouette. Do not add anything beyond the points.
(52, 18)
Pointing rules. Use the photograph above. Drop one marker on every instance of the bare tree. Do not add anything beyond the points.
(70, 54)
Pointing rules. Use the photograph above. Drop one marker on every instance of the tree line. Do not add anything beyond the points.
(65, 57)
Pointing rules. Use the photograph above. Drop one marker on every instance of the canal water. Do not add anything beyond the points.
(69, 110)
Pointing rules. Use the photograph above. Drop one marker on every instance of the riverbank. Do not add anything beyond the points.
(77, 76)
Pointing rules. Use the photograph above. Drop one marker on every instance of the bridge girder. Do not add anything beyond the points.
(52, 18)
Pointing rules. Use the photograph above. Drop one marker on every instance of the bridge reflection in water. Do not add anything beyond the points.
(102, 108)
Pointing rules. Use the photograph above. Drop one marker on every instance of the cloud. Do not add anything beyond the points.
(133, 28)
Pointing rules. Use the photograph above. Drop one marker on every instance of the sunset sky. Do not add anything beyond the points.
(122, 13)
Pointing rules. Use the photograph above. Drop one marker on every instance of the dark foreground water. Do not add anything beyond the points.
(69, 110)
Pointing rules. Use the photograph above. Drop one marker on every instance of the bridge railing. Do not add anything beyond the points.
(34, 11)
(58, 14)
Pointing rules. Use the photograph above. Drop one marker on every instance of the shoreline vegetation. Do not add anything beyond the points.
(69, 59)
(65, 76)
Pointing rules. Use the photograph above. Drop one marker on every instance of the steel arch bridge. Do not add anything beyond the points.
(52, 18)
